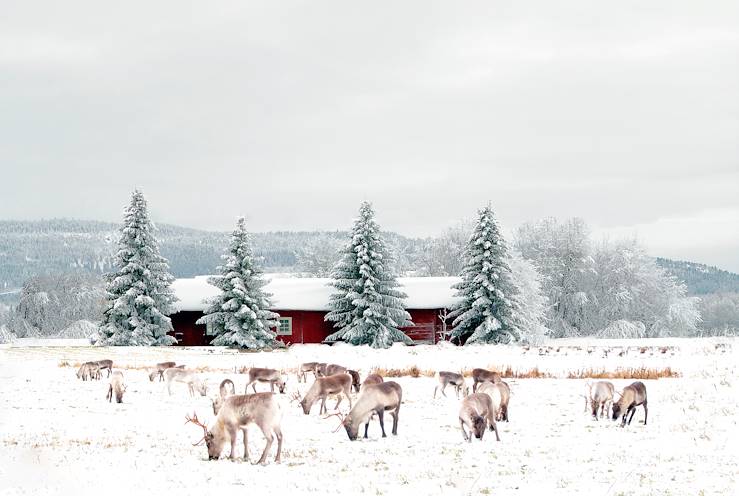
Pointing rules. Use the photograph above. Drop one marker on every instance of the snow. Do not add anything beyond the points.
(80, 329)
(305, 293)
(59, 436)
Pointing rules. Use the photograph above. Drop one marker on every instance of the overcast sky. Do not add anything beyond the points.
(626, 114)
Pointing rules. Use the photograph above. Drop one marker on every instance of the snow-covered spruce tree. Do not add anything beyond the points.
(138, 294)
(240, 315)
(366, 308)
(487, 310)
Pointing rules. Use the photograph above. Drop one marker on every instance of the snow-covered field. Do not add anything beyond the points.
(58, 435)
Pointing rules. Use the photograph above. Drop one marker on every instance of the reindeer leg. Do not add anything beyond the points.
(278, 433)
(436, 389)
(323, 406)
(246, 444)
(633, 411)
(645, 412)
(396, 415)
(270, 438)
(464, 433)
(254, 387)
(232, 433)
(381, 415)
(271, 387)
(495, 428)
(338, 402)
(366, 426)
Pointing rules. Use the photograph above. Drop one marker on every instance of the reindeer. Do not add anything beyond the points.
(105, 364)
(456, 380)
(371, 380)
(375, 399)
(89, 370)
(225, 390)
(237, 413)
(320, 370)
(264, 375)
(189, 377)
(601, 395)
(483, 375)
(323, 386)
(632, 396)
(356, 381)
(477, 413)
(500, 394)
(305, 368)
(117, 386)
(159, 370)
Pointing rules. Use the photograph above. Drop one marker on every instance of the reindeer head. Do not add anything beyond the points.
(281, 386)
(616, 408)
(152, 375)
(346, 421)
(478, 427)
(214, 445)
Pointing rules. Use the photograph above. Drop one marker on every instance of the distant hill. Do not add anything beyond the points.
(701, 279)
(62, 245)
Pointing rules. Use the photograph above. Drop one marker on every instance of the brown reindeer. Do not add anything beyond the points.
(601, 395)
(117, 386)
(375, 399)
(305, 368)
(339, 384)
(457, 380)
(225, 390)
(105, 364)
(356, 380)
(236, 414)
(632, 396)
(89, 371)
(271, 376)
(159, 370)
(371, 380)
(483, 375)
(477, 413)
(327, 369)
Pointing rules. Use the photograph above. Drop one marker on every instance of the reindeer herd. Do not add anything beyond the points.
(479, 411)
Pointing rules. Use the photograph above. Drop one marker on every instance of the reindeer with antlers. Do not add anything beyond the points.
(272, 376)
(236, 414)
(375, 399)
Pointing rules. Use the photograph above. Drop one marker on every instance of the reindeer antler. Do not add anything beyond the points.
(194, 420)
(295, 396)
(341, 417)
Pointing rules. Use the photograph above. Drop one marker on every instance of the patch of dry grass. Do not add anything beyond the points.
(624, 373)
(412, 371)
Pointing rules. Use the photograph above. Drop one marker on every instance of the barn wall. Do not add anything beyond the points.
(307, 327)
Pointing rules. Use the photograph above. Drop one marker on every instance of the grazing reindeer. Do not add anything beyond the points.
(323, 386)
(89, 371)
(601, 395)
(477, 413)
(375, 400)
(116, 386)
(159, 370)
(327, 369)
(225, 390)
(188, 377)
(236, 414)
(264, 375)
(456, 380)
(105, 364)
(305, 368)
(631, 397)
(356, 382)
(500, 394)
(371, 380)
(483, 375)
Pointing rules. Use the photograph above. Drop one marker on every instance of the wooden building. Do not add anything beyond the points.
(302, 304)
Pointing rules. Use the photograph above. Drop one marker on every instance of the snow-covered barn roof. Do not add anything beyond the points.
(304, 293)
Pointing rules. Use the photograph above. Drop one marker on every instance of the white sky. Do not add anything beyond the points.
(624, 114)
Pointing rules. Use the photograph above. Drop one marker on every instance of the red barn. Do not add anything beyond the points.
(303, 303)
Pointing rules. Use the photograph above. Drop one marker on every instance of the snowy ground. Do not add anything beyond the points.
(58, 435)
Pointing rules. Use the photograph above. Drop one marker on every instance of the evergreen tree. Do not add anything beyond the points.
(240, 315)
(487, 310)
(367, 308)
(138, 294)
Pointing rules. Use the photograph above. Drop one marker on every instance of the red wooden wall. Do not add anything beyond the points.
(307, 327)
